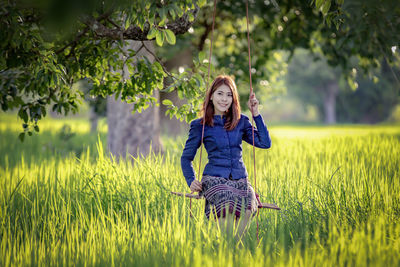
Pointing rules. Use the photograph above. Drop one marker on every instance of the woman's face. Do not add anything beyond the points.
(222, 99)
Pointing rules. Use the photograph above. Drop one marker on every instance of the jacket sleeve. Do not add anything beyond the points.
(189, 152)
(261, 134)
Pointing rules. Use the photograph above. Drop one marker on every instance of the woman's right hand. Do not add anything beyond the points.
(195, 186)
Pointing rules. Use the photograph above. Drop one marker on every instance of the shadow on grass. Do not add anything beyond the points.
(46, 145)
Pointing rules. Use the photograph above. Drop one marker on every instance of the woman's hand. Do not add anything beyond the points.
(195, 186)
(253, 105)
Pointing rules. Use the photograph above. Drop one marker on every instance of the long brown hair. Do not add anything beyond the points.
(233, 113)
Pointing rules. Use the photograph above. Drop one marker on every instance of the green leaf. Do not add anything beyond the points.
(191, 17)
(326, 7)
(160, 38)
(151, 19)
(36, 128)
(198, 79)
(163, 13)
(127, 24)
(170, 36)
(202, 3)
(202, 56)
(178, 10)
(167, 102)
(319, 3)
(23, 115)
(152, 33)
(172, 12)
(21, 137)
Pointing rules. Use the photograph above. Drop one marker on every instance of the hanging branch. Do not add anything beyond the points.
(179, 26)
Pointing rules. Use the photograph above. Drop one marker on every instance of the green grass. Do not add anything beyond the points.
(64, 201)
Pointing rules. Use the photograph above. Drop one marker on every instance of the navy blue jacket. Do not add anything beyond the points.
(224, 148)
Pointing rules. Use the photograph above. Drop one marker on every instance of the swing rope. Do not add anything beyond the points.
(252, 113)
(251, 108)
(207, 83)
(196, 196)
(206, 103)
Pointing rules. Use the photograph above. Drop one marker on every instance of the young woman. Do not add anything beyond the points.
(224, 185)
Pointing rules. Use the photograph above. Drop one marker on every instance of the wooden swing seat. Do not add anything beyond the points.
(260, 204)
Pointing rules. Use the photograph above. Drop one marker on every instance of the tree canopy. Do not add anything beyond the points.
(47, 46)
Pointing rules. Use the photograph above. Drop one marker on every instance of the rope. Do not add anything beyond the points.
(252, 111)
(207, 83)
(206, 103)
(251, 108)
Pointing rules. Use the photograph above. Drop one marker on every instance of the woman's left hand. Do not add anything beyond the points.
(253, 105)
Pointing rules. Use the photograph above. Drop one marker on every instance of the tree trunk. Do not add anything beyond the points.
(94, 119)
(129, 133)
(330, 95)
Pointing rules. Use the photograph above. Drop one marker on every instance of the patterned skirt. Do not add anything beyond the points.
(222, 194)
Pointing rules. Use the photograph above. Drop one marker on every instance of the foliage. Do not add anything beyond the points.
(309, 77)
(370, 100)
(47, 46)
(337, 198)
(374, 98)
(339, 33)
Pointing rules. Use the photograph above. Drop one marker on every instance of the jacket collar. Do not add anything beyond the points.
(220, 120)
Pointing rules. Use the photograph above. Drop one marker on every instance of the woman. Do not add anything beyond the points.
(224, 184)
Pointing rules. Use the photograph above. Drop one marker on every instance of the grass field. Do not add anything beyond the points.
(64, 201)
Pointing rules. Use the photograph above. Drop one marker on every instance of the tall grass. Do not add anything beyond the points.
(72, 204)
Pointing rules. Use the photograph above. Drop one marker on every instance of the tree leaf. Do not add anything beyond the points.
(23, 115)
(160, 38)
(127, 23)
(326, 7)
(152, 33)
(172, 12)
(163, 13)
(201, 3)
(167, 102)
(191, 17)
(202, 56)
(319, 3)
(170, 36)
(21, 137)
(178, 10)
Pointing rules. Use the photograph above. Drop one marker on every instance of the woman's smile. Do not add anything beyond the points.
(222, 99)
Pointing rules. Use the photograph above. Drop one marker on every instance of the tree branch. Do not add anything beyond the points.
(179, 26)
(79, 36)
(74, 42)
(157, 59)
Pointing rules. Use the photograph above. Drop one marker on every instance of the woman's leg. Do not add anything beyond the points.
(227, 224)
(244, 222)
(245, 219)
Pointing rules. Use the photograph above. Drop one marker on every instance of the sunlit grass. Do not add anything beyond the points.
(69, 203)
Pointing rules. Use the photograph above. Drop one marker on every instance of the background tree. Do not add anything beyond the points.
(375, 97)
(49, 46)
(315, 82)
